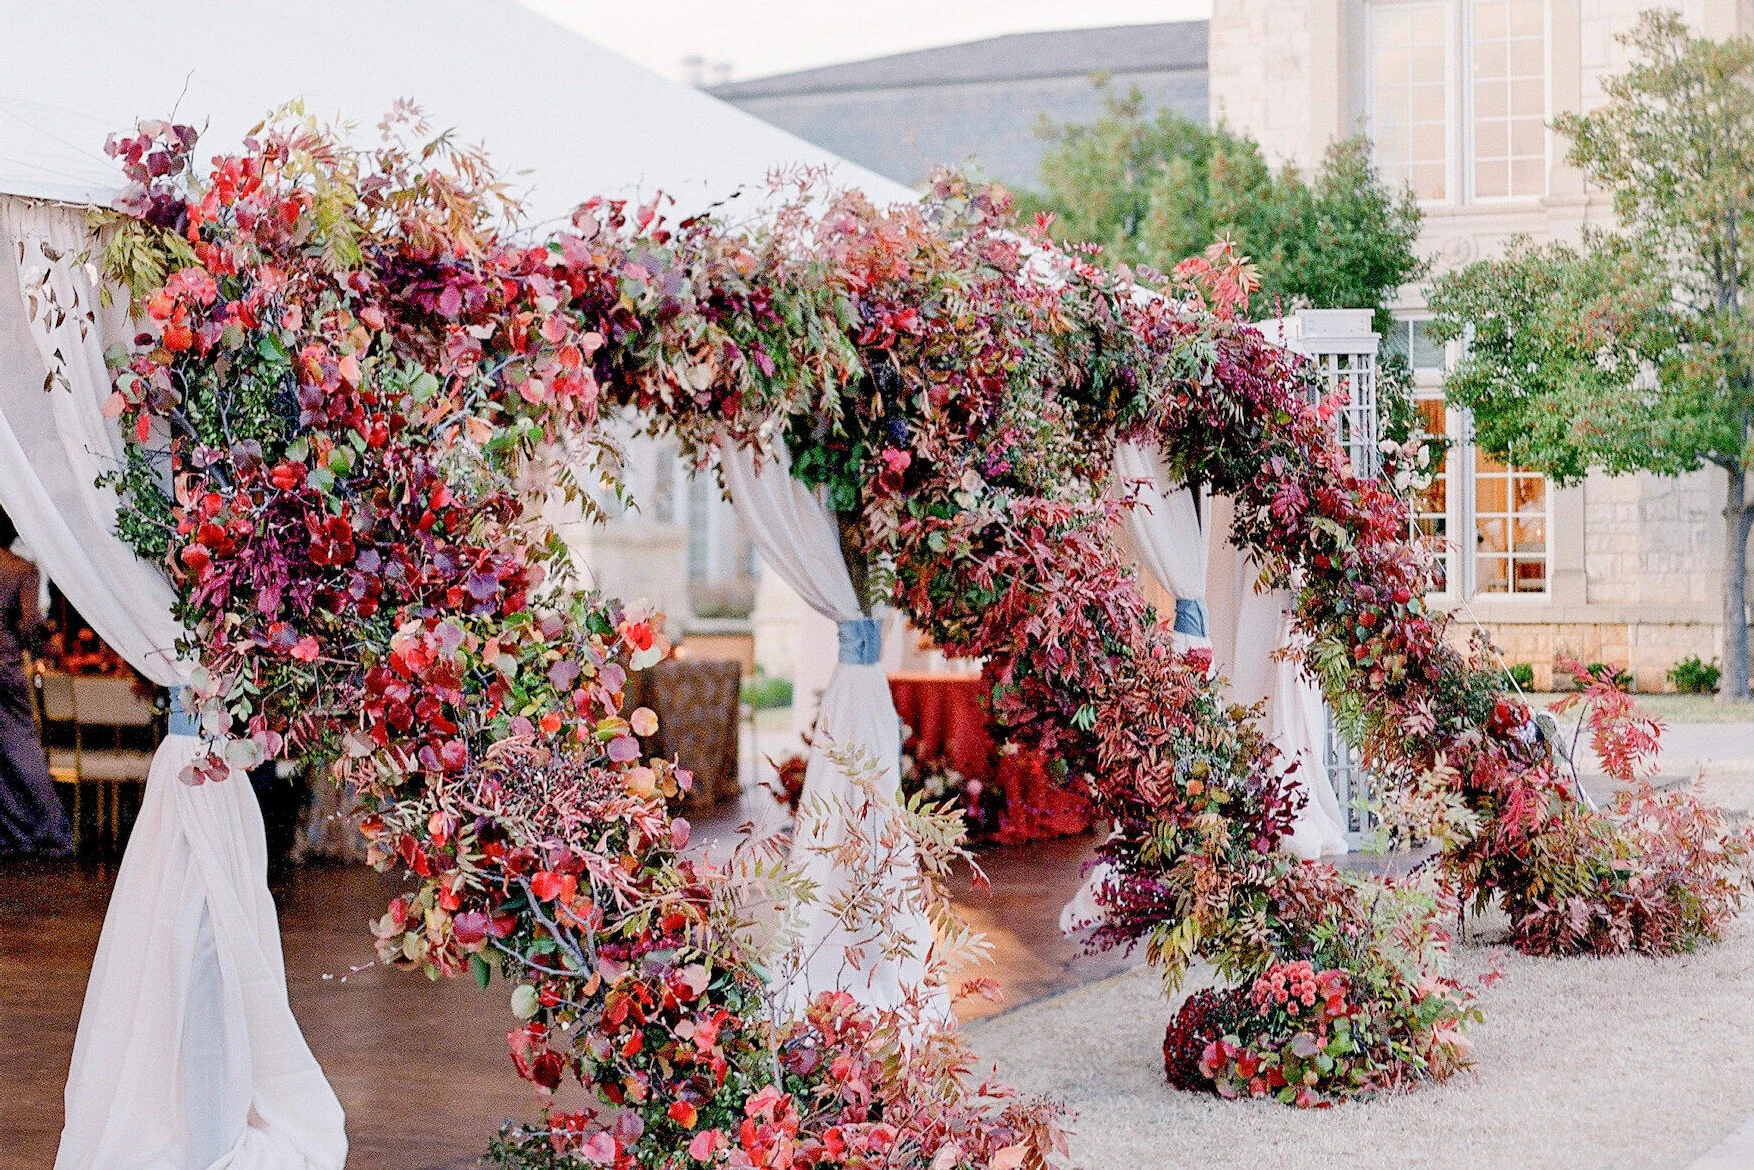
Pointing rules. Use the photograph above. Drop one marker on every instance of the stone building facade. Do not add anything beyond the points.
(1457, 96)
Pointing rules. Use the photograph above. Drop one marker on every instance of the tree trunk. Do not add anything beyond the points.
(1737, 515)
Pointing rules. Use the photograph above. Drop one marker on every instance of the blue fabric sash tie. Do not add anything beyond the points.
(183, 721)
(861, 642)
(1190, 616)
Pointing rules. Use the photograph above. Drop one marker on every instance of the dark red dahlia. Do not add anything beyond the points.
(1205, 1016)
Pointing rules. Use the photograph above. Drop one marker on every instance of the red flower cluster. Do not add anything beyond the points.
(1295, 987)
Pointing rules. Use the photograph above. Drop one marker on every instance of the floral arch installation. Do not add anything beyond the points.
(360, 385)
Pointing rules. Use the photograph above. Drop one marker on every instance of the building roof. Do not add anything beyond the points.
(562, 117)
(1133, 48)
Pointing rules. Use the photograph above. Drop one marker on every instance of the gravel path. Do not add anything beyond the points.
(1616, 1064)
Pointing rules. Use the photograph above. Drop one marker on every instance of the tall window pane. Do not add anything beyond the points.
(1411, 341)
(1509, 98)
(1431, 506)
(1510, 528)
(1409, 80)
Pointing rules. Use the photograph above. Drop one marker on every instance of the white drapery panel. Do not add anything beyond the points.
(188, 1056)
(1165, 526)
(799, 539)
(1168, 529)
(1250, 629)
(1298, 726)
(1246, 628)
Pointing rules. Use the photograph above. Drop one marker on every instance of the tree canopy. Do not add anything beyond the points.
(1157, 188)
(1631, 352)
(1571, 361)
(1634, 351)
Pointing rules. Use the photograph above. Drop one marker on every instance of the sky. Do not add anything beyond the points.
(759, 37)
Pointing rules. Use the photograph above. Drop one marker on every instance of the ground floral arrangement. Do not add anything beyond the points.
(347, 400)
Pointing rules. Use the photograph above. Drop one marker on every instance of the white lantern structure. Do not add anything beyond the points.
(1343, 348)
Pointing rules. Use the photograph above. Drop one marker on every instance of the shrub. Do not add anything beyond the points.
(1205, 1017)
(1365, 1008)
(1664, 873)
(764, 693)
(1618, 676)
(1314, 1035)
(1690, 676)
(1519, 676)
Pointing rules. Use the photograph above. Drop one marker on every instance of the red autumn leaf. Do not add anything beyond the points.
(546, 885)
(471, 927)
(547, 1069)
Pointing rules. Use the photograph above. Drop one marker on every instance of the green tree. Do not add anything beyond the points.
(1156, 189)
(1633, 352)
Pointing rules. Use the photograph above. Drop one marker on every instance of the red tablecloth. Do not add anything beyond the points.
(949, 726)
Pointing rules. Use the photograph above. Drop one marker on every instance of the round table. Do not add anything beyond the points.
(948, 725)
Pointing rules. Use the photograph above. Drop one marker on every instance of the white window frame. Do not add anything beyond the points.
(1467, 449)
(1451, 552)
(1465, 164)
(1458, 106)
(1461, 514)
(1450, 111)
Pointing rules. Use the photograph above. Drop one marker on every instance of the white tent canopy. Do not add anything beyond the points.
(562, 117)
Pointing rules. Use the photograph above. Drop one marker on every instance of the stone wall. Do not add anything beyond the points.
(1647, 650)
(1258, 68)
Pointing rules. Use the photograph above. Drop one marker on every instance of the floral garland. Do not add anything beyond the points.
(969, 448)
(341, 408)
(354, 388)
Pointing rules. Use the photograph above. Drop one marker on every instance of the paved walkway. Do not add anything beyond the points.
(1720, 743)
(421, 1069)
(1735, 1152)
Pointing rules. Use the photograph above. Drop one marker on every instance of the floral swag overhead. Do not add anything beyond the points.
(345, 404)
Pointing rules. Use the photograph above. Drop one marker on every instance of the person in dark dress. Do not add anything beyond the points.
(31, 817)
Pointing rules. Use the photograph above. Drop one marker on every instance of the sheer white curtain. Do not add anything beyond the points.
(1256, 647)
(1166, 526)
(188, 1055)
(1298, 725)
(1183, 540)
(799, 539)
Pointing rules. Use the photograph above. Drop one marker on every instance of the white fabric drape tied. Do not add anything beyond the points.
(1174, 530)
(798, 538)
(1298, 727)
(1257, 646)
(188, 1055)
(861, 642)
(183, 720)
